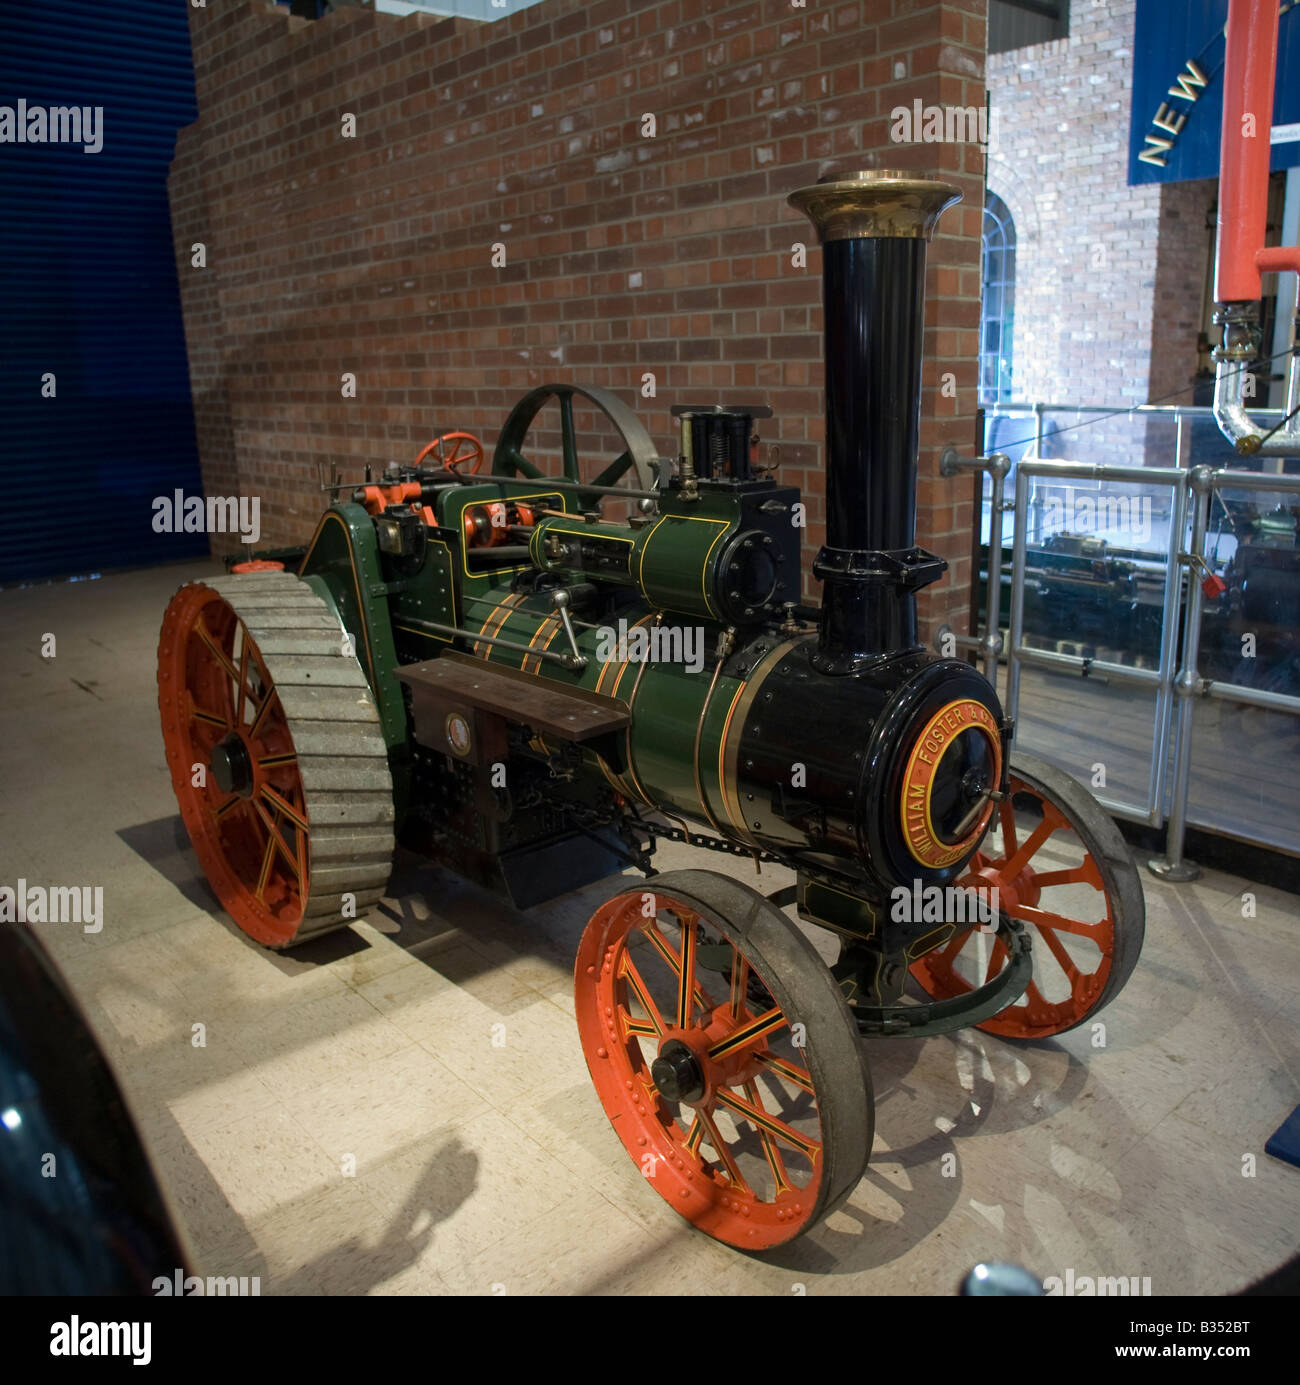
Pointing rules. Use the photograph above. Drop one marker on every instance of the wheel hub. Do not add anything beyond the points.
(232, 766)
(677, 1073)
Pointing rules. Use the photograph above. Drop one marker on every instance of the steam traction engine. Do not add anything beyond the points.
(495, 673)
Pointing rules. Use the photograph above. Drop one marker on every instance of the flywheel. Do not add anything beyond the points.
(276, 755)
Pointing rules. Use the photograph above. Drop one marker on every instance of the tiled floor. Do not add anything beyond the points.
(350, 1127)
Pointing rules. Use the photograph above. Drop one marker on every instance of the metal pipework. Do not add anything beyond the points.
(998, 465)
(873, 228)
(1249, 69)
(1241, 345)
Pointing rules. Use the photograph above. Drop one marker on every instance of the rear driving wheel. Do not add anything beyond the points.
(725, 1057)
(276, 755)
(1055, 860)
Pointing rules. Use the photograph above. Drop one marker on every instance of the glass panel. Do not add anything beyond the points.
(1249, 634)
(1090, 730)
(1244, 773)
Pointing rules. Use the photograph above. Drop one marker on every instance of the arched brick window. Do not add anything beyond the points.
(997, 316)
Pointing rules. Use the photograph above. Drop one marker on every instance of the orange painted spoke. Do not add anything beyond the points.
(792, 1072)
(277, 761)
(750, 1032)
(642, 1027)
(283, 806)
(1077, 875)
(242, 680)
(269, 823)
(1057, 948)
(267, 700)
(210, 718)
(723, 1153)
(956, 944)
(1007, 817)
(761, 1120)
(997, 954)
(664, 948)
(267, 857)
(218, 653)
(222, 809)
(1042, 919)
(694, 1135)
(1011, 868)
(642, 992)
(686, 976)
(770, 1151)
(739, 981)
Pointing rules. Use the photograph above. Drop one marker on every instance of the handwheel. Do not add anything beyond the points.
(724, 1055)
(638, 455)
(1059, 864)
(276, 755)
(452, 451)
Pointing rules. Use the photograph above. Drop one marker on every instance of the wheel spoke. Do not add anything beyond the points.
(997, 954)
(618, 467)
(792, 1072)
(739, 981)
(761, 1120)
(1007, 817)
(1012, 867)
(686, 973)
(749, 1033)
(219, 654)
(642, 992)
(242, 679)
(523, 466)
(222, 809)
(1041, 919)
(291, 858)
(284, 807)
(665, 950)
(770, 1151)
(197, 713)
(267, 699)
(267, 857)
(568, 437)
(1057, 948)
(720, 1148)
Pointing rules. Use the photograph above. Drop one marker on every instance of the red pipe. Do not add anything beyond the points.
(1249, 65)
(1278, 259)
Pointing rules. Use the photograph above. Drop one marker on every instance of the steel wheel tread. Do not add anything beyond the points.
(327, 726)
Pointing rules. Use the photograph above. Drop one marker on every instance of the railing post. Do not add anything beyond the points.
(1187, 686)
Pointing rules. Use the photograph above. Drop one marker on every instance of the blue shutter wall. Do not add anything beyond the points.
(88, 290)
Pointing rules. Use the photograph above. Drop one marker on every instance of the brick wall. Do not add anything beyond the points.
(1108, 277)
(624, 255)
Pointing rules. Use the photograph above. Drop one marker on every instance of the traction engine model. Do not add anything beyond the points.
(496, 673)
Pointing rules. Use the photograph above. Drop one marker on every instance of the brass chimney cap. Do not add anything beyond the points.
(876, 203)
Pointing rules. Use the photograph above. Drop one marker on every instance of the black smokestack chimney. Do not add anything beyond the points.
(873, 227)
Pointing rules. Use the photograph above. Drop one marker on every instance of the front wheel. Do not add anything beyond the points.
(1053, 859)
(724, 1056)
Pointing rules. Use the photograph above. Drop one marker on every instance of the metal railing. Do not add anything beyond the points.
(1176, 681)
(1202, 482)
(1162, 677)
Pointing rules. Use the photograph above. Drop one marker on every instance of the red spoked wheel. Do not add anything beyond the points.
(725, 1057)
(1055, 860)
(259, 696)
(453, 451)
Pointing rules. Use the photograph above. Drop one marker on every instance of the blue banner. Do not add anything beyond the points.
(1177, 105)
